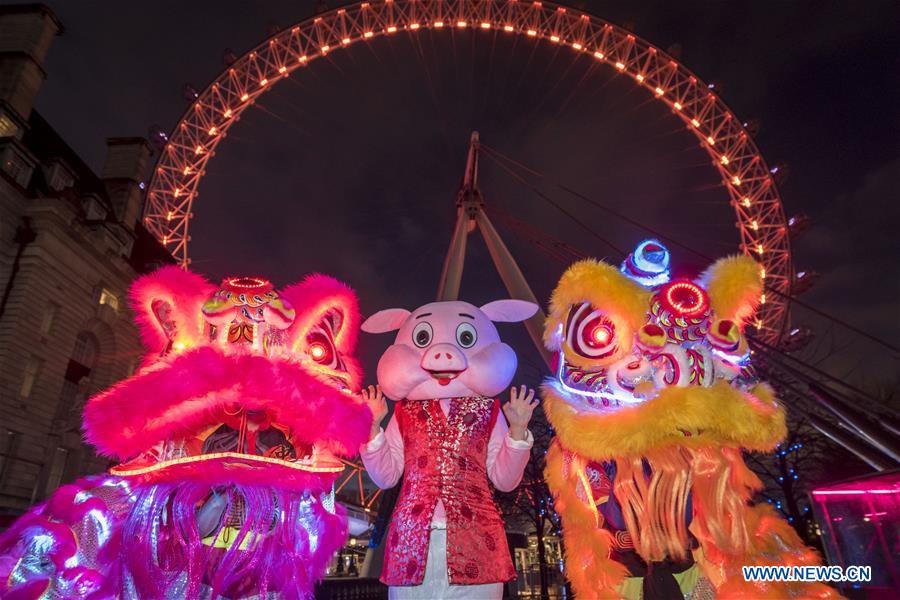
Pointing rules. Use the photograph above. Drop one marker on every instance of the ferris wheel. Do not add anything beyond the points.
(752, 190)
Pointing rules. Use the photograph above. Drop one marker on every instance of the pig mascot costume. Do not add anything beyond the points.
(444, 370)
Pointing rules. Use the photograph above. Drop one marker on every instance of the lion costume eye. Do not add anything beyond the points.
(466, 336)
(321, 350)
(422, 334)
(591, 333)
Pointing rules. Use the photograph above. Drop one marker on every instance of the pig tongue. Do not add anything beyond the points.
(444, 378)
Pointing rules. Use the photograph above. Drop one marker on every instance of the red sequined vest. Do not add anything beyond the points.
(446, 458)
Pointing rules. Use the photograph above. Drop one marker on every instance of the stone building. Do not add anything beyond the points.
(71, 242)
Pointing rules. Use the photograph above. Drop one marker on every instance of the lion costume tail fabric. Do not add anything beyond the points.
(730, 533)
(105, 539)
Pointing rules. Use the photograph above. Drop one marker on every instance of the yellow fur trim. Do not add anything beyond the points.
(603, 286)
(587, 546)
(717, 415)
(734, 286)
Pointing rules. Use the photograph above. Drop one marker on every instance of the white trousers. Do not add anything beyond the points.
(436, 585)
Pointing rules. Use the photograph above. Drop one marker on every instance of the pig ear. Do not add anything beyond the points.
(385, 320)
(509, 311)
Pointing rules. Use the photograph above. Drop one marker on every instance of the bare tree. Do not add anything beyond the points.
(791, 471)
(531, 504)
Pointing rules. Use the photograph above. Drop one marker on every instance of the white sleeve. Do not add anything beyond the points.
(506, 457)
(383, 456)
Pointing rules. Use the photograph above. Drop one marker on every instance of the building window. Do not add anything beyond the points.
(8, 128)
(57, 469)
(76, 381)
(94, 210)
(48, 318)
(32, 370)
(17, 167)
(69, 391)
(108, 298)
(9, 454)
(69, 404)
(85, 351)
(59, 177)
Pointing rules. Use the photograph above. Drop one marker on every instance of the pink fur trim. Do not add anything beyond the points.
(318, 293)
(184, 291)
(186, 391)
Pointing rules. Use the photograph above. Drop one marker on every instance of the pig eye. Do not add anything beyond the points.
(422, 335)
(466, 336)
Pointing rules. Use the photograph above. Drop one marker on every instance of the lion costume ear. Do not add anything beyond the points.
(734, 285)
(319, 298)
(167, 305)
(605, 288)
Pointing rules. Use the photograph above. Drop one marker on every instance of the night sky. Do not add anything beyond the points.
(351, 166)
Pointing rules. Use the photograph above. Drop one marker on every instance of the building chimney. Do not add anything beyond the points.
(26, 32)
(123, 172)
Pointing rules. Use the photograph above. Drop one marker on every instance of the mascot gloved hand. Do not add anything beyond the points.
(230, 434)
(447, 438)
(652, 404)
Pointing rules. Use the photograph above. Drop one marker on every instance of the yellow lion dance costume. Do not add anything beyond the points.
(652, 403)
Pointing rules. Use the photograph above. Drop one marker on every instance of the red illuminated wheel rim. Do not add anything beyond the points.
(752, 192)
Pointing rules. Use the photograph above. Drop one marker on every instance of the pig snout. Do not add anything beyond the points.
(444, 358)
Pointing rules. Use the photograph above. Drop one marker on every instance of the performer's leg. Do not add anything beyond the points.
(435, 584)
(486, 591)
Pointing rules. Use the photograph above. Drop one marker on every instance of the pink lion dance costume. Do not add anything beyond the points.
(447, 363)
(230, 435)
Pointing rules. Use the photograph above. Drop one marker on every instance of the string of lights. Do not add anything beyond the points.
(499, 156)
(561, 251)
(559, 207)
(787, 298)
(769, 351)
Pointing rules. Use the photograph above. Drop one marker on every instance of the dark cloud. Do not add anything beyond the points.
(859, 262)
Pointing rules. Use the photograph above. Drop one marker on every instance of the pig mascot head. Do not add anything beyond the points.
(447, 349)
